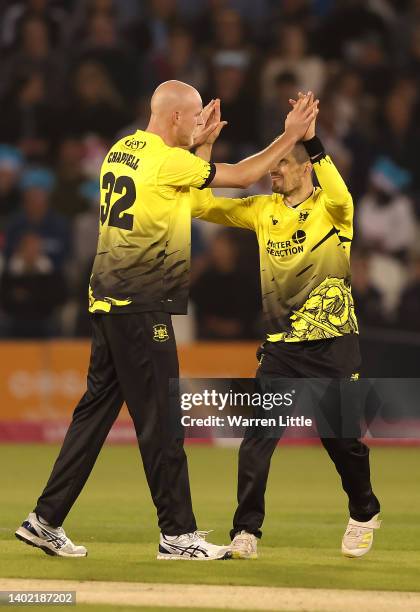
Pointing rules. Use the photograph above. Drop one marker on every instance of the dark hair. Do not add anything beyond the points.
(300, 154)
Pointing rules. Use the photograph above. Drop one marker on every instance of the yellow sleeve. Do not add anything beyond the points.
(183, 169)
(234, 212)
(337, 198)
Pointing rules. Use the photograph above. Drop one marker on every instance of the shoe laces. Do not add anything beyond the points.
(354, 532)
(61, 532)
(200, 534)
(243, 538)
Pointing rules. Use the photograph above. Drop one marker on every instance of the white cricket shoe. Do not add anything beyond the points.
(358, 538)
(244, 546)
(52, 540)
(191, 547)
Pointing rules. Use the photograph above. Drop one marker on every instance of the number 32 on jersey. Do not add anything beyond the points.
(115, 213)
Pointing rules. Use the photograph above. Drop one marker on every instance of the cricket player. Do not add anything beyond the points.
(304, 234)
(140, 277)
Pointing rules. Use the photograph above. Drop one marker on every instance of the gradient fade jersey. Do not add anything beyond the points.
(143, 256)
(304, 255)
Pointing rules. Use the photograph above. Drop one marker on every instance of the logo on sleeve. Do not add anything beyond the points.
(160, 333)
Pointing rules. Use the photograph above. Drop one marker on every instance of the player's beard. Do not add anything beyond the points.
(279, 186)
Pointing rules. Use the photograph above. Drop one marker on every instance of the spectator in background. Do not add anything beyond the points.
(96, 106)
(31, 290)
(408, 313)
(27, 119)
(11, 161)
(385, 216)
(66, 197)
(141, 118)
(367, 298)
(331, 133)
(231, 46)
(349, 23)
(398, 132)
(34, 54)
(239, 109)
(371, 62)
(290, 54)
(18, 13)
(179, 62)
(275, 110)
(204, 26)
(352, 113)
(36, 217)
(151, 33)
(85, 233)
(103, 46)
(294, 11)
(82, 14)
(85, 227)
(226, 294)
(348, 100)
(414, 48)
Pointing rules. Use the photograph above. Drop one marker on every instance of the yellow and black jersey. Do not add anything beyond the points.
(304, 255)
(143, 256)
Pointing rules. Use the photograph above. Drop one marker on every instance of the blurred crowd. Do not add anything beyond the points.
(76, 75)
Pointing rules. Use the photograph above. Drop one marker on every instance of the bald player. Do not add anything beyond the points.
(139, 278)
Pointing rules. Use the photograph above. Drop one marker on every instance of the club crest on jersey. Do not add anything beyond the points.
(355, 376)
(303, 216)
(273, 220)
(160, 333)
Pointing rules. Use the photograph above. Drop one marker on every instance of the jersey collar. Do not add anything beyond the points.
(279, 200)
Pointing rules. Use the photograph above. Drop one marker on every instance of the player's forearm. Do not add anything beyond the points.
(204, 151)
(249, 170)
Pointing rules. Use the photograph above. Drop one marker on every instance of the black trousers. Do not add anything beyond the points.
(133, 356)
(331, 358)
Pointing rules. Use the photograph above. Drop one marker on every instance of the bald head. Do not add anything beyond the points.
(176, 112)
(173, 96)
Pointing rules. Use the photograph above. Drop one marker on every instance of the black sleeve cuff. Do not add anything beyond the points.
(210, 177)
(314, 148)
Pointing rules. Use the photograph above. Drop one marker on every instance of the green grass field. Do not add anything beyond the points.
(306, 515)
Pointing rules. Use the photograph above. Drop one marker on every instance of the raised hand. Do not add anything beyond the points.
(303, 113)
(310, 132)
(215, 119)
(212, 124)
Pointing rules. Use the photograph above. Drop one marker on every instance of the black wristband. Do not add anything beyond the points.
(314, 147)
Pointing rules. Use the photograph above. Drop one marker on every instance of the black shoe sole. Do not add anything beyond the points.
(226, 556)
(46, 550)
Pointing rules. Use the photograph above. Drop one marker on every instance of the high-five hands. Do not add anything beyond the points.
(302, 116)
(310, 132)
(212, 124)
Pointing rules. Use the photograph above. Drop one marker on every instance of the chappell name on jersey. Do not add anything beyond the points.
(116, 157)
(287, 247)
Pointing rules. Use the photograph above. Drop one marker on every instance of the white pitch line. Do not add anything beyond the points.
(223, 597)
